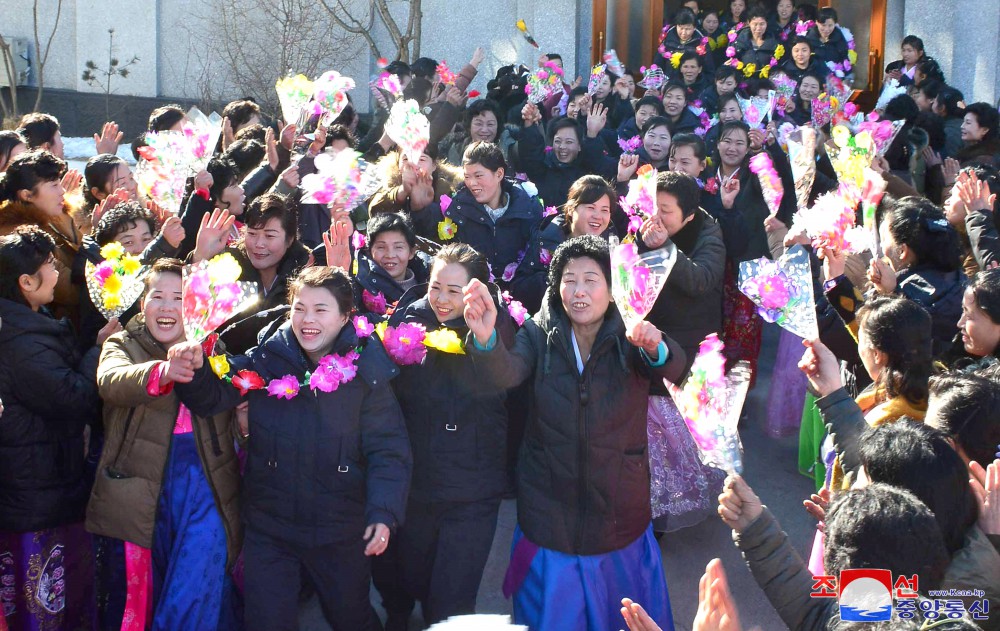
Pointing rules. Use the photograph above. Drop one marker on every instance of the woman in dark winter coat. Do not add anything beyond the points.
(754, 45)
(655, 151)
(923, 264)
(692, 73)
(802, 62)
(583, 476)
(618, 108)
(589, 210)
(981, 135)
(50, 401)
(684, 37)
(904, 69)
(457, 424)
(675, 101)
(328, 463)
(389, 266)
(688, 309)
(269, 255)
(165, 501)
(830, 47)
(215, 188)
(493, 214)
(553, 168)
(948, 104)
(782, 24)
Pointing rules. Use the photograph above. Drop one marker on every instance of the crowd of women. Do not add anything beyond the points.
(151, 481)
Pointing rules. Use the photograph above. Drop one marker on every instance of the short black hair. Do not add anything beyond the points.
(725, 72)
(684, 189)
(685, 17)
(37, 129)
(949, 99)
(986, 116)
(913, 42)
(689, 140)
(463, 254)
(253, 132)
(653, 102)
(122, 217)
(655, 121)
(97, 173)
(487, 154)
(690, 55)
(424, 67)
(240, 112)
(224, 174)
(918, 223)
(755, 12)
(985, 287)
(392, 222)
(8, 140)
(911, 455)
(333, 279)
(902, 107)
(28, 170)
(827, 13)
(23, 251)
(341, 132)
(246, 154)
(881, 526)
(966, 407)
(564, 122)
(483, 105)
(900, 328)
(163, 118)
(586, 246)
(272, 206)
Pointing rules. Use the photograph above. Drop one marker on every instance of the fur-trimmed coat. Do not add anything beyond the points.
(64, 230)
(447, 179)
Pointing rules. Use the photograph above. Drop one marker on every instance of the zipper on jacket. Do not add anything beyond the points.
(582, 441)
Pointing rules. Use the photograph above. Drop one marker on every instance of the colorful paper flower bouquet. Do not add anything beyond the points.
(783, 291)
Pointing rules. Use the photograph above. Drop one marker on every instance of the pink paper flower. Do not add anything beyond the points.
(508, 272)
(544, 256)
(405, 343)
(374, 302)
(363, 327)
(445, 203)
(358, 240)
(515, 309)
(549, 211)
(324, 378)
(103, 272)
(284, 388)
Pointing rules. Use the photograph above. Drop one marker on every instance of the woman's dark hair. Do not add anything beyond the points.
(826, 13)
(901, 329)
(163, 118)
(807, 12)
(272, 206)
(8, 140)
(399, 68)
(565, 122)
(224, 174)
(652, 102)
(732, 97)
(487, 154)
(392, 222)
(240, 112)
(684, 189)
(675, 84)
(98, 173)
(254, 132)
(418, 89)
(950, 100)
(724, 72)
(689, 140)
(902, 107)
(913, 42)
(341, 132)
(931, 69)
(246, 154)
(933, 125)
(122, 217)
(988, 117)
(37, 129)
(985, 287)
(910, 455)
(685, 17)
(28, 170)
(586, 246)
(588, 189)
(967, 409)
(476, 108)
(882, 526)
(756, 12)
(333, 279)
(164, 266)
(819, 80)
(424, 67)
(653, 122)
(920, 225)
(930, 88)
(690, 55)
(469, 258)
(23, 251)
(726, 128)
(801, 40)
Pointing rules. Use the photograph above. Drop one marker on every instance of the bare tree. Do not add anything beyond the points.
(258, 41)
(405, 39)
(7, 59)
(42, 56)
(102, 77)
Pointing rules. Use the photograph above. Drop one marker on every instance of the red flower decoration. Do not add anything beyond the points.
(712, 186)
(247, 380)
(473, 94)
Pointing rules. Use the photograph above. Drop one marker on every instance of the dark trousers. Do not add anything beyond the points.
(340, 572)
(442, 552)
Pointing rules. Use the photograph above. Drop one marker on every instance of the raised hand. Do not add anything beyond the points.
(173, 231)
(213, 234)
(716, 606)
(109, 329)
(422, 193)
(882, 276)
(729, 191)
(597, 119)
(834, 262)
(950, 169)
(377, 536)
(203, 180)
(756, 140)
(478, 56)
(228, 135)
(106, 204)
(817, 505)
(628, 164)
(71, 181)
(975, 194)
(454, 96)
(319, 142)
(288, 136)
(290, 176)
(271, 149)
(654, 234)
(931, 158)
(530, 114)
(337, 243)
(109, 139)
(644, 335)
(986, 486)
(821, 368)
(480, 312)
(161, 213)
(739, 506)
(772, 223)
(636, 617)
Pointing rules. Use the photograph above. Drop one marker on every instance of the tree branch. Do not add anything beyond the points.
(43, 58)
(356, 27)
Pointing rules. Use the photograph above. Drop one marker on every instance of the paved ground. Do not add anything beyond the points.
(770, 467)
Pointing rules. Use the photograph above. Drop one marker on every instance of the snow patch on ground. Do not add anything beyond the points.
(79, 150)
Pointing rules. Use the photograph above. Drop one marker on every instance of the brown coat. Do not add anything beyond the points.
(63, 229)
(130, 474)
(447, 179)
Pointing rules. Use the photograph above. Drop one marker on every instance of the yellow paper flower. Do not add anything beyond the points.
(834, 103)
(112, 302)
(749, 69)
(841, 135)
(380, 329)
(779, 52)
(723, 40)
(130, 265)
(675, 59)
(224, 269)
(113, 285)
(739, 65)
(444, 340)
(219, 364)
(447, 229)
(852, 56)
(765, 71)
(113, 250)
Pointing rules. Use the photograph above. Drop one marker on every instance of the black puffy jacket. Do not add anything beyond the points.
(49, 393)
(583, 470)
(373, 279)
(455, 416)
(552, 177)
(320, 466)
(501, 242)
